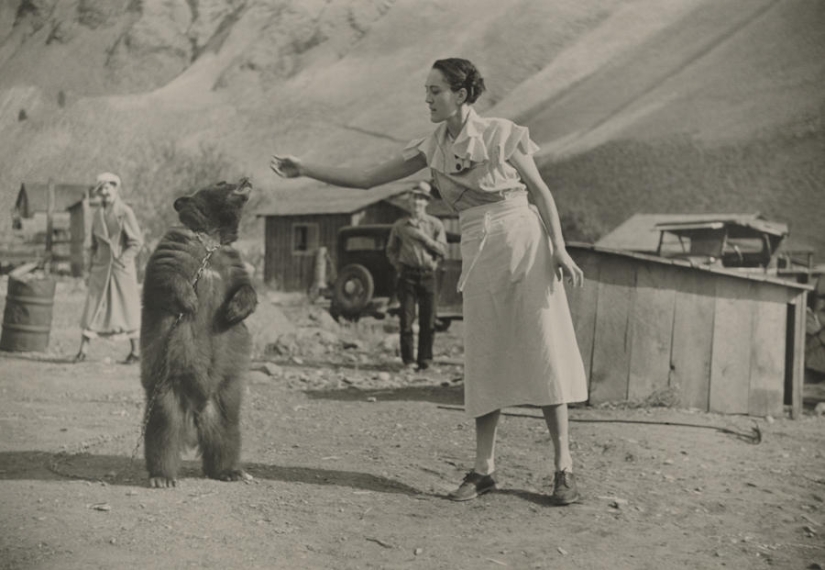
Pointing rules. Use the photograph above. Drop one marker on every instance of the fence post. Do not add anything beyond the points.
(319, 278)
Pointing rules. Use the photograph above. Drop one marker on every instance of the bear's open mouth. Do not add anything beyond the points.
(244, 187)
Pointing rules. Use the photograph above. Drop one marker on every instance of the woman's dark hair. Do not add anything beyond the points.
(462, 73)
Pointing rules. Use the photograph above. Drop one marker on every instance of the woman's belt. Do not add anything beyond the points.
(476, 221)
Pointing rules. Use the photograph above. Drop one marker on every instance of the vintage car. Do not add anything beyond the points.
(365, 279)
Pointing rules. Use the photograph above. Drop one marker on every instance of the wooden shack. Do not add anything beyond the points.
(295, 228)
(71, 219)
(719, 340)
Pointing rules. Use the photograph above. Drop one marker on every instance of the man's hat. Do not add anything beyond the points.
(422, 189)
(107, 177)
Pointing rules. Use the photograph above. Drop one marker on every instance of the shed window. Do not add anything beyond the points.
(304, 238)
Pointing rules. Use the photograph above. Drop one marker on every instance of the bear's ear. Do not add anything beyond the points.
(181, 202)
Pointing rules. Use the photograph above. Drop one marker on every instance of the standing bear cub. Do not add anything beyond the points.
(195, 345)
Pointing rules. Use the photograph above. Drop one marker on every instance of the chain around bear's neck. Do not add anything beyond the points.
(210, 243)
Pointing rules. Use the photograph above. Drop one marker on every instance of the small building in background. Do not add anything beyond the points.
(296, 228)
(715, 339)
(710, 307)
(71, 223)
(740, 242)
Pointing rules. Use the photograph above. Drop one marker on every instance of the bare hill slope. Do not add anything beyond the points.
(734, 124)
(639, 105)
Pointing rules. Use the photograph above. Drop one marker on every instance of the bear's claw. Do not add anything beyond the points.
(162, 482)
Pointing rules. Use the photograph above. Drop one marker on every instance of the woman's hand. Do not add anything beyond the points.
(286, 166)
(563, 265)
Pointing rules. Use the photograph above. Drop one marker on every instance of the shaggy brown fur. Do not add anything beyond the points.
(195, 345)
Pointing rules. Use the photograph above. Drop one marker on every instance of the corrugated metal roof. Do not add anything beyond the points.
(65, 196)
(640, 231)
(328, 199)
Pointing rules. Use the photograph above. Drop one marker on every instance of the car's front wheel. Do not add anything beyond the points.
(354, 289)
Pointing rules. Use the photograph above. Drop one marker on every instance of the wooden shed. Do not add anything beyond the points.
(71, 218)
(721, 340)
(295, 228)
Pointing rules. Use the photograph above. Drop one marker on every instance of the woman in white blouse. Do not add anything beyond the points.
(520, 345)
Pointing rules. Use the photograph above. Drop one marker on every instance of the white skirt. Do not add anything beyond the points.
(519, 342)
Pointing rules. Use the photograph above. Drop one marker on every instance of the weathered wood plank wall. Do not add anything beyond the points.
(692, 345)
(767, 355)
(651, 335)
(293, 271)
(611, 341)
(719, 342)
(731, 352)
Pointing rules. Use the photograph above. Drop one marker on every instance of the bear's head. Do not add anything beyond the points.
(216, 209)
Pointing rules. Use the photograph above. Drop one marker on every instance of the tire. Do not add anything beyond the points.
(354, 289)
(441, 325)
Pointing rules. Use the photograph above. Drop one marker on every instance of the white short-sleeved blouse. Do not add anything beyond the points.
(473, 169)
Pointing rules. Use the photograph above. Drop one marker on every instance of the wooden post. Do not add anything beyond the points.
(319, 281)
(798, 363)
(47, 266)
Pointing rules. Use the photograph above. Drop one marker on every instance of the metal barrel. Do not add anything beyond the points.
(27, 319)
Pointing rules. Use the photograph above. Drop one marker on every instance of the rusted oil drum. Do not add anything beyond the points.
(27, 320)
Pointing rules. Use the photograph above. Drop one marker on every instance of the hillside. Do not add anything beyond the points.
(638, 105)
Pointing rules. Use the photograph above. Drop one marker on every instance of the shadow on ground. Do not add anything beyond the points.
(374, 365)
(49, 358)
(120, 470)
(39, 357)
(446, 395)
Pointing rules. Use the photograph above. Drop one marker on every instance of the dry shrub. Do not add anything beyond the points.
(580, 226)
(160, 173)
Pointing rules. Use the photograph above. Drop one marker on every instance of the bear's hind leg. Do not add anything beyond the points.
(162, 440)
(219, 433)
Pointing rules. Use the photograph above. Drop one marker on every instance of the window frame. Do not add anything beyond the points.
(312, 238)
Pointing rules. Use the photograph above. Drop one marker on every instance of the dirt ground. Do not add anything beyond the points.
(351, 459)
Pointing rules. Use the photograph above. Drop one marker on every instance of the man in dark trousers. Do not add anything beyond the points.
(417, 242)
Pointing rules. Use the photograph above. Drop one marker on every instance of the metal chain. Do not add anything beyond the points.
(61, 458)
(150, 404)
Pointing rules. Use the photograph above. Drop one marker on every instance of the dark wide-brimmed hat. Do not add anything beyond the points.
(422, 189)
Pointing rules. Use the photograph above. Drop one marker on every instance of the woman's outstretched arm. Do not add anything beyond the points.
(349, 177)
(529, 172)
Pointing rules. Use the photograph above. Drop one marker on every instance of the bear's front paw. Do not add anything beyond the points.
(188, 301)
(241, 305)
